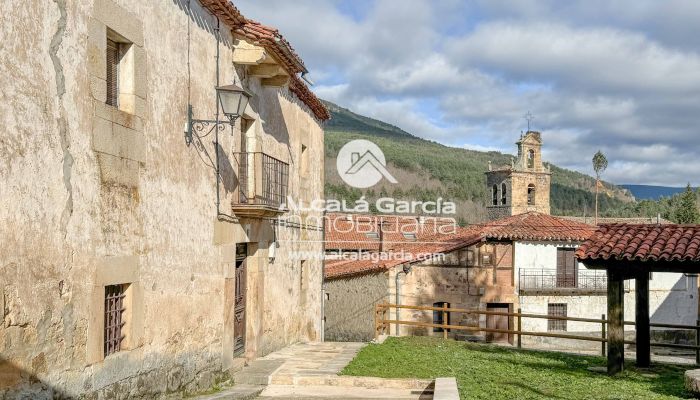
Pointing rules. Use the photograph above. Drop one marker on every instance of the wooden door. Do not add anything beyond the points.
(567, 268)
(498, 322)
(239, 326)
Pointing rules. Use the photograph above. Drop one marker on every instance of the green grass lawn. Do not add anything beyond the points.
(493, 372)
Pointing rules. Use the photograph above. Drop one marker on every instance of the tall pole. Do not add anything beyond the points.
(597, 184)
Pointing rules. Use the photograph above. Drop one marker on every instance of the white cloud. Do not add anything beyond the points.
(623, 77)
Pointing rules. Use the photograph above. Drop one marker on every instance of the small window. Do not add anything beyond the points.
(504, 193)
(114, 318)
(486, 259)
(410, 236)
(372, 235)
(470, 258)
(531, 194)
(438, 316)
(113, 58)
(531, 158)
(494, 195)
(556, 310)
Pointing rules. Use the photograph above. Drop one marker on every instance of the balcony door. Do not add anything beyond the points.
(567, 268)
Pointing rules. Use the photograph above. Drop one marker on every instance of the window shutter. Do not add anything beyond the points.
(112, 73)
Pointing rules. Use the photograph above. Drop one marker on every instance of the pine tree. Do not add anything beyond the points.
(686, 210)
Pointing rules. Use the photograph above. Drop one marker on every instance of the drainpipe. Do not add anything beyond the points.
(405, 270)
(323, 276)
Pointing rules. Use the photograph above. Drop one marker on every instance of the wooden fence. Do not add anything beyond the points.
(382, 325)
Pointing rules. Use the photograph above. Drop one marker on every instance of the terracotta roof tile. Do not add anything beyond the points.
(618, 220)
(275, 43)
(349, 231)
(537, 227)
(648, 242)
(406, 252)
(529, 226)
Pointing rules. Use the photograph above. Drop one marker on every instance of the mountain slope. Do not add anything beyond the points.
(427, 170)
(650, 192)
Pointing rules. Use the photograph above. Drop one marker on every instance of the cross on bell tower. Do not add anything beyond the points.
(529, 117)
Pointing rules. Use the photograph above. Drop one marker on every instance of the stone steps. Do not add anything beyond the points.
(258, 372)
(341, 392)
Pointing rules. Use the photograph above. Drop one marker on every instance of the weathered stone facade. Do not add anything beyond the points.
(526, 182)
(471, 278)
(349, 306)
(96, 195)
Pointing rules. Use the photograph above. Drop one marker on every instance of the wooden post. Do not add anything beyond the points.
(602, 335)
(520, 329)
(616, 327)
(444, 320)
(697, 342)
(642, 330)
(376, 322)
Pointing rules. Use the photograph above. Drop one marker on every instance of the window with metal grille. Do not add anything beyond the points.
(114, 318)
(113, 57)
(556, 310)
(438, 318)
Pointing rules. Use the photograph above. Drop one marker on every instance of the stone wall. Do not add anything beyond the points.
(350, 305)
(96, 195)
(458, 281)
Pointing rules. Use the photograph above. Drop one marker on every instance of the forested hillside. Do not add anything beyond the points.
(427, 170)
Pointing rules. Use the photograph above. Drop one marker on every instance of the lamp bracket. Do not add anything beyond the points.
(200, 125)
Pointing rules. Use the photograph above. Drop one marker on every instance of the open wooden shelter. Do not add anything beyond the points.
(634, 252)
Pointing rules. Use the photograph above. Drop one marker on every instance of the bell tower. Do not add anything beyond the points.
(523, 185)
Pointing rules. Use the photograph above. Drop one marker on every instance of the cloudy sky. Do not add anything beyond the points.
(621, 76)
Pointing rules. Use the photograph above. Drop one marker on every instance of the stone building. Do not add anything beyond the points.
(524, 261)
(137, 260)
(471, 268)
(522, 186)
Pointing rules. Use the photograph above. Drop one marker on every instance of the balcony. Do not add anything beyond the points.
(262, 185)
(549, 282)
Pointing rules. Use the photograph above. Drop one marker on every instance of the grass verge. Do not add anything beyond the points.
(494, 372)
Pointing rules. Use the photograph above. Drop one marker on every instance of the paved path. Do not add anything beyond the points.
(301, 371)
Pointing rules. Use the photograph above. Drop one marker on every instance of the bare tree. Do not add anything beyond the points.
(600, 163)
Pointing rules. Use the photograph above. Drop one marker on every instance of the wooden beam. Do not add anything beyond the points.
(642, 329)
(616, 327)
(630, 268)
(265, 70)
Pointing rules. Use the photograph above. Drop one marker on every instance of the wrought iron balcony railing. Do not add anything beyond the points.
(262, 184)
(536, 281)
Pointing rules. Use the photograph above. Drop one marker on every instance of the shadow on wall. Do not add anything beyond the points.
(680, 306)
(201, 17)
(17, 383)
(274, 123)
(227, 173)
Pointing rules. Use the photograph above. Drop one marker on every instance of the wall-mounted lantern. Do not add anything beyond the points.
(233, 100)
